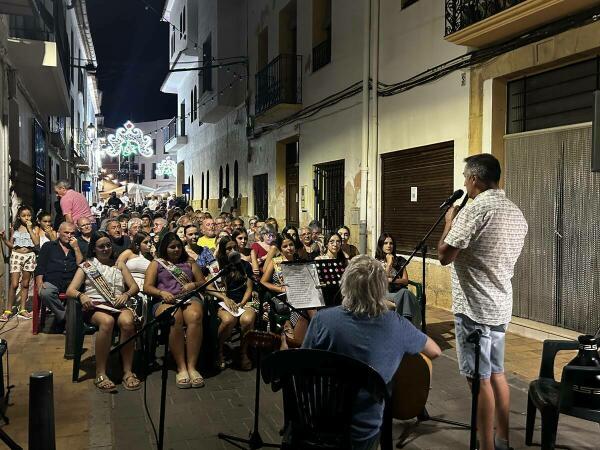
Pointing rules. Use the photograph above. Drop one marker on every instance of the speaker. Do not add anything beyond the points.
(596, 133)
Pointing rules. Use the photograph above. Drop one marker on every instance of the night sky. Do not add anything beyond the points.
(132, 46)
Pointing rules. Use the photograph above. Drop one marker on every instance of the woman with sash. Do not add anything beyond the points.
(171, 275)
(107, 287)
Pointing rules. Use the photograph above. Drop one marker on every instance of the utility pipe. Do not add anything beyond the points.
(374, 133)
(364, 161)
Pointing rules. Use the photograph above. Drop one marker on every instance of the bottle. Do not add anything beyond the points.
(588, 352)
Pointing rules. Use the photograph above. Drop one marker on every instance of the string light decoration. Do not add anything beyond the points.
(166, 167)
(128, 140)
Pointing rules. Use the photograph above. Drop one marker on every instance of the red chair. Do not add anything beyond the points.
(39, 310)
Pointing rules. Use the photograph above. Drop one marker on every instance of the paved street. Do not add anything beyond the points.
(86, 418)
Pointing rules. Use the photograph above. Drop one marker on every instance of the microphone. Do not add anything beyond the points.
(450, 200)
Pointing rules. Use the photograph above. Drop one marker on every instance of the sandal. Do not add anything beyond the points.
(182, 380)
(24, 314)
(197, 379)
(104, 384)
(131, 382)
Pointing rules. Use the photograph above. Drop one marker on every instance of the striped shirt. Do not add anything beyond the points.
(490, 233)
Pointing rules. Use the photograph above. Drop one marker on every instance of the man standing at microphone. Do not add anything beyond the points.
(484, 242)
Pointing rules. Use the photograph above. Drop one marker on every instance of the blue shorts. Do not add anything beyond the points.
(491, 358)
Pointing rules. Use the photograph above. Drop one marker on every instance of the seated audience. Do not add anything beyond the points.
(169, 276)
(400, 297)
(261, 249)
(137, 257)
(120, 242)
(44, 227)
(350, 251)
(55, 269)
(208, 234)
(107, 286)
(85, 228)
(310, 250)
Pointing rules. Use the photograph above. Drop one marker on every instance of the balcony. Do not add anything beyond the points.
(480, 23)
(279, 88)
(173, 140)
(321, 55)
(18, 7)
(36, 47)
(58, 136)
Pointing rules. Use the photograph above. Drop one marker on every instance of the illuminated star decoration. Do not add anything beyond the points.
(166, 167)
(129, 140)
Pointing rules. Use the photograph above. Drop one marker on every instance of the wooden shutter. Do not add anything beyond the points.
(431, 170)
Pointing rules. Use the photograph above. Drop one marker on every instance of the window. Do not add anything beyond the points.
(220, 184)
(321, 34)
(76, 63)
(183, 22)
(236, 190)
(153, 171)
(194, 103)
(172, 41)
(154, 145)
(207, 63)
(202, 190)
(143, 173)
(207, 187)
(181, 25)
(227, 177)
(263, 49)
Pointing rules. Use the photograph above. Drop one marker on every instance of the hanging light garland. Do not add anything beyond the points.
(166, 167)
(128, 140)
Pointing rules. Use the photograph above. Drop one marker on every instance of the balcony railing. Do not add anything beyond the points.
(321, 55)
(280, 81)
(462, 13)
(170, 132)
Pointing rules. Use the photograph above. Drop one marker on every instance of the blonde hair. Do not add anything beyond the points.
(364, 286)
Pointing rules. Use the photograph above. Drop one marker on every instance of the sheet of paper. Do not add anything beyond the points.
(302, 284)
(239, 312)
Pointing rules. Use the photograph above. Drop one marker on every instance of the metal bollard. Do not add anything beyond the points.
(41, 411)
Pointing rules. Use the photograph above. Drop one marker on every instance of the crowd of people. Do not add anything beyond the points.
(106, 255)
(114, 257)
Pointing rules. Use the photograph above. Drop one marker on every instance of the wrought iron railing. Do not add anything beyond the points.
(321, 55)
(280, 81)
(170, 132)
(462, 13)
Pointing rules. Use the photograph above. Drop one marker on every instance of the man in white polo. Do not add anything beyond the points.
(484, 241)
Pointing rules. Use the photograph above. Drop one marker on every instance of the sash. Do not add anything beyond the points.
(98, 281)
(175, 271)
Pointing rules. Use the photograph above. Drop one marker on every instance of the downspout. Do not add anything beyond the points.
(374, 135)
(364, 162)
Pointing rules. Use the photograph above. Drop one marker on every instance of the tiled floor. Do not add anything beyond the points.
(86, 418)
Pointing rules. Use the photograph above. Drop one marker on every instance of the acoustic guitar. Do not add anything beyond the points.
(410, 386)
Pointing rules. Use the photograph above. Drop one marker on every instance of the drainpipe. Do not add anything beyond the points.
(364, 162)
(374, 146)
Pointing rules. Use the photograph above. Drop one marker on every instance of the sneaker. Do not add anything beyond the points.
(24, 314)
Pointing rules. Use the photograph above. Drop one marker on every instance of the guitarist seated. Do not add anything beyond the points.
(363, 328)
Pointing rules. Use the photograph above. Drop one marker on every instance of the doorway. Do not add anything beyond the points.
(329, 195)
(260, 188)
(292, 190)
(557, 277)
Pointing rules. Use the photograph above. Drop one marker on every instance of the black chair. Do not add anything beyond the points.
(76, 330)
(319, 390)
(567, 397)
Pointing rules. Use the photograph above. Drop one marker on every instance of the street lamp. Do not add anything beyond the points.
(91, 132)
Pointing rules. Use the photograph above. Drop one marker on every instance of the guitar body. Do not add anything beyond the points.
(411, 386)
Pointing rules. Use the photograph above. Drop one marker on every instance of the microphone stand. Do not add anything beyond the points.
(164, 320)
(422, 247)
(254, 441)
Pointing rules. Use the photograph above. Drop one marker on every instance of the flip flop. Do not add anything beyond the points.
(197, 379)
(131, 382)
(182, 380)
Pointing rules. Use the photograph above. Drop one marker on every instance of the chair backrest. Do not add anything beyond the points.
(319, 390)
(580, 392)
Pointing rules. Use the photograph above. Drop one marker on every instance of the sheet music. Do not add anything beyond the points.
(301, 282)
